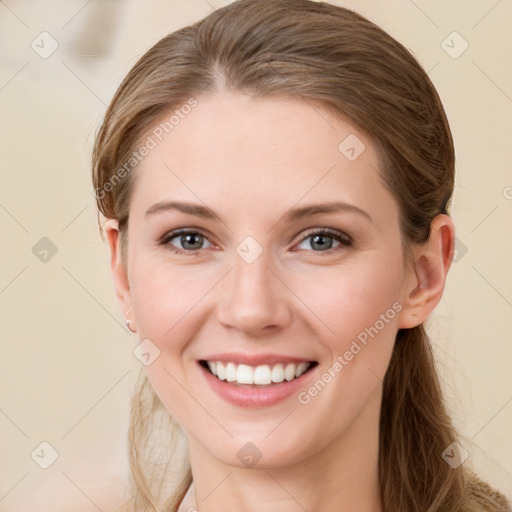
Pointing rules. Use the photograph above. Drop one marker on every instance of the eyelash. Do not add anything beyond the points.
(344, 239)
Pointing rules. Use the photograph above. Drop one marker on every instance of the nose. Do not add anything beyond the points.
(253, 298)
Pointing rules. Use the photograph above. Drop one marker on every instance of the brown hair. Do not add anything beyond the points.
(334, 56)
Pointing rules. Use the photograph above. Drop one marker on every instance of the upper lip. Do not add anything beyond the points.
(255, 359)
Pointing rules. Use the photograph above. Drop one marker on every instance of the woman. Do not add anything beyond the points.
(275, 181)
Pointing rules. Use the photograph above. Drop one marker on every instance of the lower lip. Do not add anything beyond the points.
(255, 397)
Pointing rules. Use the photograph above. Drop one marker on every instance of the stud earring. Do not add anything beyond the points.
(127, 322)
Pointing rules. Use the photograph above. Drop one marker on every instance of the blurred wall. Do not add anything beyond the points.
(66, 362)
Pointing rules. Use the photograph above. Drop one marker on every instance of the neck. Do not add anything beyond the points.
(342, 476)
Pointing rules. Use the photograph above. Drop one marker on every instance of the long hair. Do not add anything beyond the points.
(319, 52)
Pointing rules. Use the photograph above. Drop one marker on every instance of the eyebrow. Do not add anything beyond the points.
(293, 214)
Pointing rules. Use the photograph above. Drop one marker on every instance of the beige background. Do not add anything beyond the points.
(66, 363)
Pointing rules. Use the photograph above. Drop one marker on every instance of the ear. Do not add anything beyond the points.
(427, 277)
(119, 271)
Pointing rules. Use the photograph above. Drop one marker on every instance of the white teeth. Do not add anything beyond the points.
(231, 372)
(277, 373)
(221, 371)
(301, 368)
(244, 374)
(262, 375)
(289, 371)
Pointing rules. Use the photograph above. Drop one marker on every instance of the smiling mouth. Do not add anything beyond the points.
(257, 376)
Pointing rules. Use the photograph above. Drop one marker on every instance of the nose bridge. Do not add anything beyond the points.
(253, 297)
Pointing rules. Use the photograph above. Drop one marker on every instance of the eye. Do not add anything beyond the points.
(189, 240)
(322, 240)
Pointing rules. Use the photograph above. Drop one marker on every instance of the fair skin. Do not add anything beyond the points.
(250, 161)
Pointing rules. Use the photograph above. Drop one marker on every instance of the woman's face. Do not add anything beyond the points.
(259, 280)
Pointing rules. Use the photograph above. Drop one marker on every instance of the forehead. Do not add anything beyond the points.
(232, 149)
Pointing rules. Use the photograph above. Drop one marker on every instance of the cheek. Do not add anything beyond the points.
(360, 312)
(351, 299)
(167, 301)
(165, 297)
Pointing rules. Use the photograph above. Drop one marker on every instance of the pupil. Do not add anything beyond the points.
(322, 244)
(189, 237)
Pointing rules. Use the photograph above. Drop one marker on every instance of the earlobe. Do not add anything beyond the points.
(427, 277)
(119, 273)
